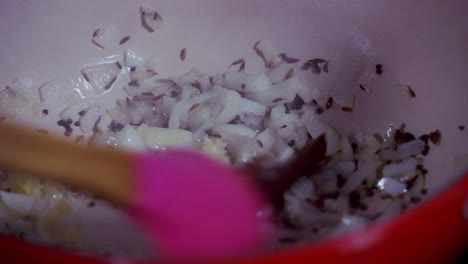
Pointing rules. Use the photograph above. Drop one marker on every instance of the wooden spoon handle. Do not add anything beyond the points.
(98, 170)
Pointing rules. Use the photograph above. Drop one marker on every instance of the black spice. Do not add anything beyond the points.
(287, 59)
(347, 109)
(354, 146)
(296, 104)
(82, 113)
(45, 112)
(362, 87)
(329, 103)
(260, 143)
(411, 92)
(423, 191)
(124, 40)
(91, 204)
(378, 69)
(291, 143)
(461, 128)
(425, 150)
(354, 200)
(115, 126)
(61, 123)
(132, 69)
(435, 137)
(77, 123)
(415, 199)
(340, 181)
(319, 110)
(243, 86)
(183, 54)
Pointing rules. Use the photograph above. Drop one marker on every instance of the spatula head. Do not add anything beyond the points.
(194, 206)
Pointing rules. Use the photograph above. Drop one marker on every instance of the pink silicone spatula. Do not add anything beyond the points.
(189, 204)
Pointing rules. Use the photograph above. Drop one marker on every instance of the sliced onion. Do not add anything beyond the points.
(280, 93)
(180, 109)
(229, 100)
(151, 20)
(90, 118)
(267, 140)
(198, 117)
(247, 82)
(131, 59)
(130, 139)
(191, 77)
(279, 73)
(157, 138)
(107, 36)
(396, 169)
(51, 89)
(346, 150)
(102, 76)
(269, 53)
(12, 100)
(252, 108)
(408, 149)
(391, 186)
(365, 170)
(72, 111)
(227, 130)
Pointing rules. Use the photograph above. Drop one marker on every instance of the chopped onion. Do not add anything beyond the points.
(410, 148)
(157, 138)
(391, 186)
(267, 140)
(130, 139)
(279, 73)
(227, 130)
(252, 108)
(107, 36)
(346, 150)
(247, 82)
(269, 53)
(90, 118)
(72, 111)
(366, 168)
(396, 169)
(151, 20)
(102, 76)
(131, 59)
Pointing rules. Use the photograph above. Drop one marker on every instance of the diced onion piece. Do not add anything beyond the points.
(247, 82)
(161, 138)
(279, 73)
(252, 108)
(191, 77)
(130, 139)
(333, 140)
(151, 20)
(51, 90)
(346, 150)
(227, 130)
(365, 169)
(215, 147)
(12, 100)
(73, 110)
(90, 118)
(266, 140)
(131, 59)
(180, 109)
(198, 117)
(282, 92)
(269, 53)
(107, 36)
(101, 76)
(229, 100)
(391, 186)
(396, 169)
(410, 148)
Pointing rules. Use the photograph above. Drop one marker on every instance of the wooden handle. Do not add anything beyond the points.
(101, 171)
